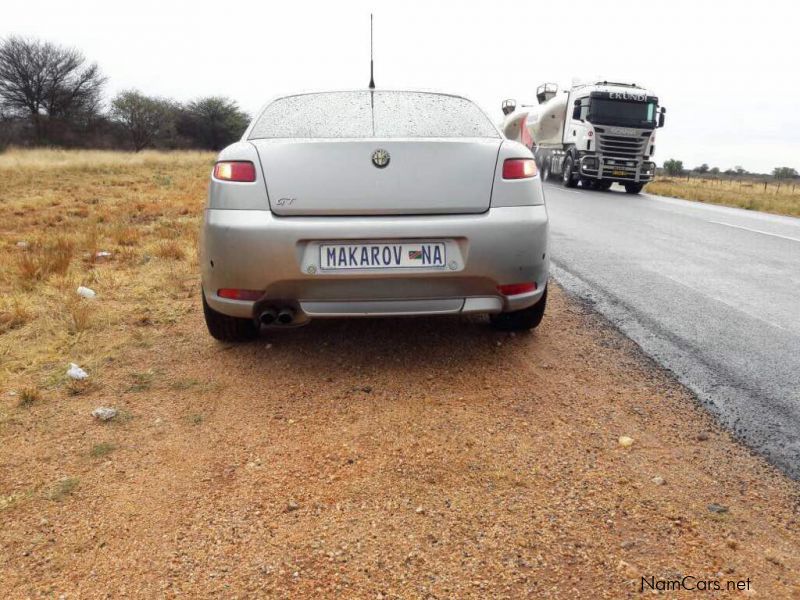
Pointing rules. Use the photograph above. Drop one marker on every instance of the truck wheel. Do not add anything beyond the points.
(519, 320)
(566, 173)
(633, 188)
(228, 329)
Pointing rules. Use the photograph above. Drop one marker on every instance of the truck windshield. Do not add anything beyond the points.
(622, 113)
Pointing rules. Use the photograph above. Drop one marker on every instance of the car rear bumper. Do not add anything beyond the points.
(256, 250)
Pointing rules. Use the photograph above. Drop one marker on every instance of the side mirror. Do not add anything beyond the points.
(661, 117)
(508, 106)
(576, 112)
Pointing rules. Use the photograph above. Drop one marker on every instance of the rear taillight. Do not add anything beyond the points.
(512, 289)
(519, 168)
(232, 294)
(235, 170)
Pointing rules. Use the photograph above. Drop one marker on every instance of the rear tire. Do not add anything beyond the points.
(520, 320)
(566, 173)
(228, 329)
(633, 188)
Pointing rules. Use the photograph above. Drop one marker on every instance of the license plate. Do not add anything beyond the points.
(377, 255)
(618, 173)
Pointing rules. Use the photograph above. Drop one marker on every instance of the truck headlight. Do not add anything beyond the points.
(590, 162)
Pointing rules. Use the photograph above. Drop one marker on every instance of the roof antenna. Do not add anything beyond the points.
(371, 78)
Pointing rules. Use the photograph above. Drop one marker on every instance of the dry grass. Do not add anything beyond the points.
(91, 160)
(781, 199)
(102, 449)
(63, 488)
(14, 312)
(29, 396)
(58, 209)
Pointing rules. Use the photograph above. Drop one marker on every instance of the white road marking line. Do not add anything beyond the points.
(777, 235)
(563, 189)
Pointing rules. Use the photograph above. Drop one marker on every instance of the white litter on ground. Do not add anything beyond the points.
(85, 292)
(75, 372)
(103, 254)
(625, 441)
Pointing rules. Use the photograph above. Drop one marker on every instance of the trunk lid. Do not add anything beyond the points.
(339, 176)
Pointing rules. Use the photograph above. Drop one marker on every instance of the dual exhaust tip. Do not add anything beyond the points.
(272, 316)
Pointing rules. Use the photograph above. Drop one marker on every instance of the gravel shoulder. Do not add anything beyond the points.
(386, 458)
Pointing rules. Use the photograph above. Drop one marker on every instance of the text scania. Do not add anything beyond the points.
(693, 584)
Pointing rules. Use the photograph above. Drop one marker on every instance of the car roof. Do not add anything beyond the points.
(382, 90)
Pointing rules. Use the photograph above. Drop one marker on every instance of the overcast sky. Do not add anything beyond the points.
(726, 71)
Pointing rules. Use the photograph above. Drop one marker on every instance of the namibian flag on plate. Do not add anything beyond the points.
(415, 254)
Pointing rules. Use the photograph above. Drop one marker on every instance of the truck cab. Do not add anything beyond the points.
(593, 134)
(612, 129)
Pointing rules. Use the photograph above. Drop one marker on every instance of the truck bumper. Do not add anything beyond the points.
(624, 170)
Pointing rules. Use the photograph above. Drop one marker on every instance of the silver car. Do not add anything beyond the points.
(372, 203)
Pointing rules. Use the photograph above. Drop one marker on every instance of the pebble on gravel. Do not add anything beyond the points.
(702, 436)
(104, 413)
(292, 506)
(658, 480)
(625, 441)
(717, 508)
(628, 569)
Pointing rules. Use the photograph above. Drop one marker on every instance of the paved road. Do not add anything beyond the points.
(711, 293)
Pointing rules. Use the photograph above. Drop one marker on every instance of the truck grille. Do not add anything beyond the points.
(621, 146)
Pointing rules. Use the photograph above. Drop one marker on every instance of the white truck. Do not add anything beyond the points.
(594, 134)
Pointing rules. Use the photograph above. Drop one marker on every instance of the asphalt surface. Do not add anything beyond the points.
(711, 293)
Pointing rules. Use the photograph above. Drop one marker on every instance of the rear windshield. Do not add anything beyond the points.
(372, 114)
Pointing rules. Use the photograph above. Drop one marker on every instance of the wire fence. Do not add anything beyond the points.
(762, 184)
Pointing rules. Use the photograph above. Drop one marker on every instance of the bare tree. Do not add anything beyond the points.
(145, 119)
(44, 82)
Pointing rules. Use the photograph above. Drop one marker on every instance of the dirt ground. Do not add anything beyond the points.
(385, 459)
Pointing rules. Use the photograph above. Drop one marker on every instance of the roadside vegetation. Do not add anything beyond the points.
(121, 224)
(777, 192)
(67, 106)
(780, 197)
